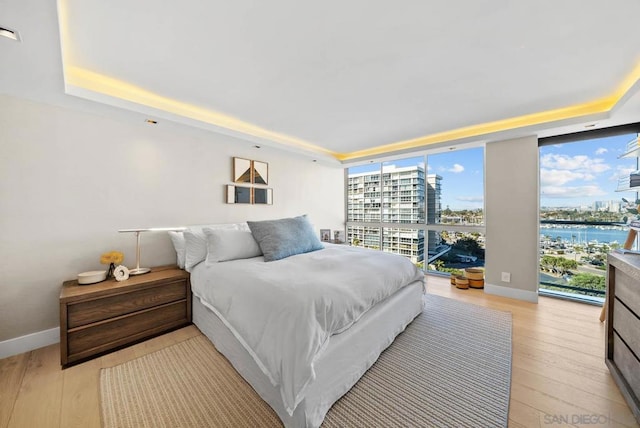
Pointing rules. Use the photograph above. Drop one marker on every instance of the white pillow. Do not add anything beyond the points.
(177, 238)
(196, 242)
(226, 244)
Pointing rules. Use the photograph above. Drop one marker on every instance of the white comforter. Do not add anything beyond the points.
(284, 312)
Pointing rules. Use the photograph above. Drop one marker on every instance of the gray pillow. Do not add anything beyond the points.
(224, 245)
(286, 237)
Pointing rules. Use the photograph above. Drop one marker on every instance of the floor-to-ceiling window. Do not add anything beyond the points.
(428, 208)
(588, 192)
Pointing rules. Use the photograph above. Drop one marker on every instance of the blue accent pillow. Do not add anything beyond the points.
(286, 237)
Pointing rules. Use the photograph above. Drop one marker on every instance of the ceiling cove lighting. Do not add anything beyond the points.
(98, 83)
(9, 34)
(603, 105)
(106, 85)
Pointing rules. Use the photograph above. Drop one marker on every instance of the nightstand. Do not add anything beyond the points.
(99, 318)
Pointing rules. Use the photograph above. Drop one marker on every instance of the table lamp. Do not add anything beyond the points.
(138, 270)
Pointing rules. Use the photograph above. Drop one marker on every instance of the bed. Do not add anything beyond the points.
(348, 304)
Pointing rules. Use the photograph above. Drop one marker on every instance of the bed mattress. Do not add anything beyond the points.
(346, 358)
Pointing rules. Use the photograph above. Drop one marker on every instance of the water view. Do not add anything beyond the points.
(585, 211)
(585, 234)
(573, 258)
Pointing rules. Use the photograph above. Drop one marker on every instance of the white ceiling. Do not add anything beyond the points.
(340, 79)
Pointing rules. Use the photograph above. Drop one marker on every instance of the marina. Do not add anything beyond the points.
(583, 235)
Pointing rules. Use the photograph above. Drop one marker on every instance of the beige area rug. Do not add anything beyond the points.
(450, 368)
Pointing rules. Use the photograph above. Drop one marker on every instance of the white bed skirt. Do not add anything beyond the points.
(345, 360)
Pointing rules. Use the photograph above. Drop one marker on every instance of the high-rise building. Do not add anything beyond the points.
(398, 196)
(611, 206)
(434, 209)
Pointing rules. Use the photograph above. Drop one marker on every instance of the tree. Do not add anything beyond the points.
(558, 265)
(566, 265)
(469, 246)
(548, 263)
(588, 281)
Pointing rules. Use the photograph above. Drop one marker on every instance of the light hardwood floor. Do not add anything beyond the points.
(559, 376)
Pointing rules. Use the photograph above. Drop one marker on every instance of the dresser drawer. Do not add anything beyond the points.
(627, 363)
(628, 291)
(112, 333)
(83, 313)
(627, 325)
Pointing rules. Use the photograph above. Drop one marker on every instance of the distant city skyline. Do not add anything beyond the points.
(611, 205)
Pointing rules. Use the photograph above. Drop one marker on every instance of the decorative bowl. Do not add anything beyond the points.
(92, 277)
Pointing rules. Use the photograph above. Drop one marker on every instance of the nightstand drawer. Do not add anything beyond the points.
(91, 311)
(628, 291)
(627, 363)
(109, 334)
(627, 325)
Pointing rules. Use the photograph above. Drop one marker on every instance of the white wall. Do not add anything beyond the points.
(511, 201)
(70, 180)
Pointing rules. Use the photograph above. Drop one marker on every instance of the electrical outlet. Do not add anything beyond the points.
(506, 277)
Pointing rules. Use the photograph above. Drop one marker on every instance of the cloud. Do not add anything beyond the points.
(470, 198)
(621, 171)
(573, 163)
(456, 168)
(601, 151)
(570, 192)
(558, 177)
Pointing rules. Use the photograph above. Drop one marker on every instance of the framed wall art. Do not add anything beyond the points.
(238, 194)
(242, 170)
(325, 235)
(253, 173)
(262, 196)
(260, 172)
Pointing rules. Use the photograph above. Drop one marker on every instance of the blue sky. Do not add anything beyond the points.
(462, 173)
(577, 174)
(571, 174)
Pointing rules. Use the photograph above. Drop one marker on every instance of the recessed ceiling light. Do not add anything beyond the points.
(151, 121)
(591, 125)
(10, 34)
(256, 147)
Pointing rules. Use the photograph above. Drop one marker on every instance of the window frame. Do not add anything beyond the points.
(425, 226)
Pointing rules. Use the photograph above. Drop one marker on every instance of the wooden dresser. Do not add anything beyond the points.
(623, 326)
(102, 317)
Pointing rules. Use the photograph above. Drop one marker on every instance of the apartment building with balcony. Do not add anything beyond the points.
(397, 195)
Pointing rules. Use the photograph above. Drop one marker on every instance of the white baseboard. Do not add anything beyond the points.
(29, 342)
(512, 293)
